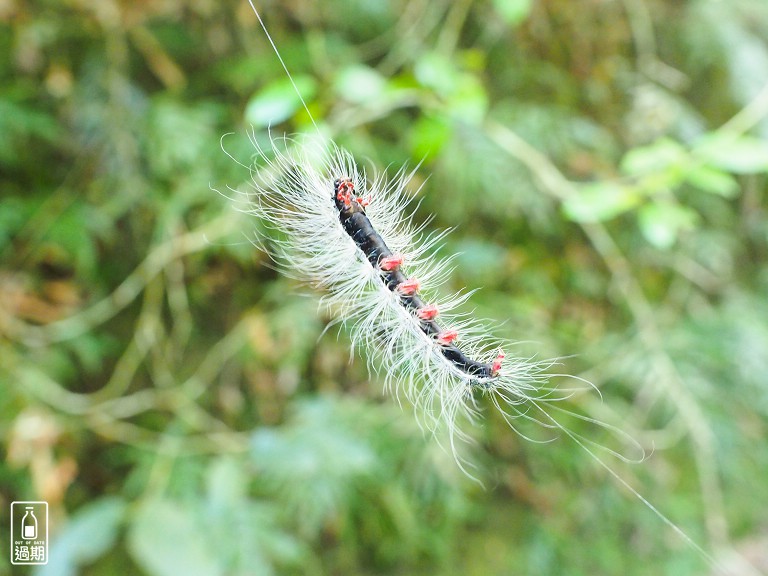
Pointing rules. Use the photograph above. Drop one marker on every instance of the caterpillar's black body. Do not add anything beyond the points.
(358, 226)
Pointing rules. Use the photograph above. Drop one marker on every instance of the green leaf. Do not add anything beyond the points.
(226, 484)
(661, 155)
(89, 534)
(278, 101)
(429, 135)
(463, 93)
(166, 539)
(437, 72)
(713, 180)
(600, 201)
(166, 117)
(70, 234)
(513, 11)
(360, 84)
(469, 102)
(20, 124)
(14, 213)
(737, 154)
(662, 223)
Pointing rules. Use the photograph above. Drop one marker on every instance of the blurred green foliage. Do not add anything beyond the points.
(604, 165)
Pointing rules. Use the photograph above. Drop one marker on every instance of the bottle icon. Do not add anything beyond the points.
(29, 524)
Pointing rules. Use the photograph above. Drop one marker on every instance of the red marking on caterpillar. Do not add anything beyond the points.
(409, 287)
(496, 365)
(446, 337)
(389, 263)
(428, 312)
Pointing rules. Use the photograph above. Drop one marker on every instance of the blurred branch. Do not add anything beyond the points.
(451, 30)
(641, 24)
(157, 58)
(748, 117)
(177, 399)
(178, 302)
(157, 260)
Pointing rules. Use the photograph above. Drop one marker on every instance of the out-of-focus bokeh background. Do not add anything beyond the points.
(176, 401)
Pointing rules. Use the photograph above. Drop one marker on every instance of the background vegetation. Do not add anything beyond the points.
(604, 164)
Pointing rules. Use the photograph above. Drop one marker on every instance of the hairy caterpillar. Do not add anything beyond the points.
(350, 236)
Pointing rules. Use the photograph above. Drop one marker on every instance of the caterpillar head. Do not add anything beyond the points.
(344, 196)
